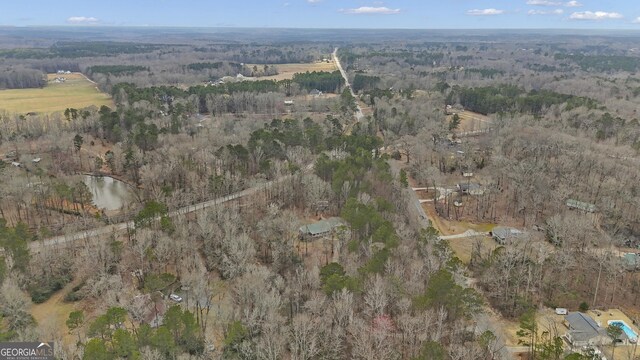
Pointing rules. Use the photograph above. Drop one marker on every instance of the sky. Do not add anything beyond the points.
(405, 14)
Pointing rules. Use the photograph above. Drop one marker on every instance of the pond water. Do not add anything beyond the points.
(107, 192)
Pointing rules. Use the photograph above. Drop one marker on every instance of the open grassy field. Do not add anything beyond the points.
(471, 121)
(77, 92)
(286, 71)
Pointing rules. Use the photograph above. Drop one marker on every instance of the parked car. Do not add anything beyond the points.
(175, 298)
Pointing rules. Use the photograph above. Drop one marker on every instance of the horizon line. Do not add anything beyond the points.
(94, 26)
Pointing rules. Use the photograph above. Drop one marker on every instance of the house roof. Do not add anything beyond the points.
(505, 232)
(583, 327)
(584, 206)
(322, 226)
(152, 312)
(631, 259)
(468, 186)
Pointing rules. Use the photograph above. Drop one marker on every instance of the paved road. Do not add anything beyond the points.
(109, 229)
(359, 115)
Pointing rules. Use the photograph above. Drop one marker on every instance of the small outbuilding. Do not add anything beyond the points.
(561, 311)
(581, 205)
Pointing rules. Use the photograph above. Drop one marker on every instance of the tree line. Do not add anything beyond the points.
(116, 70)
(79, 49)
(511, 98)
(602, 63)
(21, 78)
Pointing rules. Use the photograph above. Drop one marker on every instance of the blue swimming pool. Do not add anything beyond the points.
(633, 337)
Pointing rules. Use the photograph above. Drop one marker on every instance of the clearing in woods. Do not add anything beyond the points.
(54, 312)
(286, 71)
(75, 92)
(471, 121)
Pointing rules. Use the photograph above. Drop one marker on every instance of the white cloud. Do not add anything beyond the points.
(82, 20)
(313, 1)
(636, 20)
(595, 15)
(369, 10)
(573, 3)
(545, 12)
(543, 3)
(484, 12)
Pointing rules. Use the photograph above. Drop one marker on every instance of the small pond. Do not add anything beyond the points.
(107, 192)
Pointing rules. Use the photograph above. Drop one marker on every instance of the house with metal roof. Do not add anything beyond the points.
(505, 235)
(584, 331)
(470, 189)
(321, 228)
(581, 205)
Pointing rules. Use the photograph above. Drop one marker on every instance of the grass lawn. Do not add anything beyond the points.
(77, 92)
(286, 71)
(463, 247)
(54, 313)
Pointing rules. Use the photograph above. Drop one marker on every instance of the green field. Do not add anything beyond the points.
(76, 92)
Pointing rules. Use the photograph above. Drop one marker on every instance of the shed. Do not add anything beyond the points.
(580, 205)
(320, 228)
(505, 235)
(288, 102)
